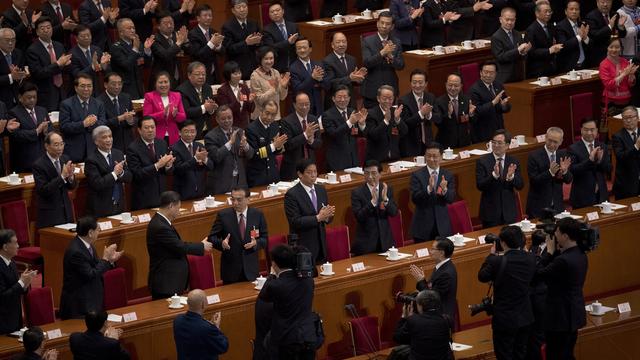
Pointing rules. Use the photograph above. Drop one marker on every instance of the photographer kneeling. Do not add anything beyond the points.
(511, 275)
(428, 332)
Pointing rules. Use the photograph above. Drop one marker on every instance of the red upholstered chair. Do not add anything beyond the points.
(315, 9)
(581, 107)
(397, 230)
(362, 149)
(459, 217)
(470, 73)
(201, 273)
(15, 217)
(365, 335)
(338, 245)
(115, 289)
(39, 306)
(264, 12)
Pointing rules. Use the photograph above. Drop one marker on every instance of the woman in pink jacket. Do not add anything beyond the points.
(165, 107)
(618, 76)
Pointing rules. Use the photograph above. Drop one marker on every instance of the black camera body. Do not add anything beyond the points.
(486, 305)
(491, 238)
(588, 239)
(304, 258)
(407, 299)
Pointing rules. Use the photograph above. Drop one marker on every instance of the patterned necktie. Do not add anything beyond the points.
(492, 90)
(510, 35)
(314, 199)
(116, 105)
(85, 107)
(344, 116)
(152, 151)
(59, 13)
(500, 168)
(581, 56)
(634, 137)
(8, 59)
(90, 249)
(57, 79)
(190, 148)
(87, 53)
(454, 102)
(242, 226)
(552, 157)
(283, 30)
(57, 166)
(33, 117)
(309, 67)
(344, 62)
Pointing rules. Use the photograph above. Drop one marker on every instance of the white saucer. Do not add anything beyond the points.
(14, 183)
(597, 314)
(607, 212)
(176, 307)
(333, 183)
(396, 259)
(458, 245)
(257, 288)
(127, 222)
(328, 274)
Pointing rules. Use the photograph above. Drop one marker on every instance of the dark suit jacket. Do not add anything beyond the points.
(511, 302)
(203, 53)
(42, 73)
(297, 144)
(454, 131)
(241, 113)
(81, 64)
(148, 183)
(428, 335)
(302, 219)
(599, 36)
(92, 17)
(297, 10)
(405, 28)
(168, 266)
(9, 91)
(461, 29)
(488, 118)
(165, 58)
(433, 28)
(25, 144)
(626, 182)
(301, 81)
(193, 106)
(120, 130)
(188, 175)
(59, 34)
(383, 141)
(238, 263)
(54, 205)
(133, 9)
(361, 5)
(412, 144)
(197, 338)
(24, 33)
(587, 175)
(539, 61)
(544, 188)
(379, 71)
(510, 62)
(221, 180)
(335, 74)
(431, 208)
(332, 7)
(94, 345)
(10, 298)
(263, 315)
(285, 52)
(124, 61)
(444, 280)
(570, 53)
(78, 141)
(342, 150)
(373, 232)
(179, 19)
(101, 183)
(82, 287)
(237, 49)
(498, 199)
(262, 169)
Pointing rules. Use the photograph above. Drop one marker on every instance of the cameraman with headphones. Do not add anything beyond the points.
(511, 274)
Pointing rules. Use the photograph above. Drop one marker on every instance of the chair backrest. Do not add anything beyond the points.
(362, 150)
(15, 217)
(264, 12)
(581, 107)
(272, 242)
(365, 335)
(519, 212)
(470, 73)
(338, 245)
(115, 289)
(39, 306)
(459, 217)
(397, 228)
(201, 273)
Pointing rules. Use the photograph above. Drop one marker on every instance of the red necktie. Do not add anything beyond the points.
(152, 151)
(33, 117)
(57, 79)
(59, 12)
(242, 226)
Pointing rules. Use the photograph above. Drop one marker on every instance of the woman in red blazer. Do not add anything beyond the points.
(236, 95)
(165, 107)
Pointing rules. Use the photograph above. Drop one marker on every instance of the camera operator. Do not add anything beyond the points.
(427, 332)
(293, 334)
(538, 297)
(511, 275)
(564, 268)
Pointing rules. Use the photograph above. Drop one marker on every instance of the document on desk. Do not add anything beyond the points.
(354, 170)
(460, 347)
(478, 152)
(67, 226)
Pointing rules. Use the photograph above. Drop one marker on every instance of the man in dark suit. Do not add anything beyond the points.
(385, 128)
(191, 163)
(491, 103)
(197, 97)
(33, 342)
(603, 24)
(12, 70)
(12, 284)
(140, 11)
(372, 204)
(45, 73)
(99, 341)
(119, 114)
(303, 137)
(574, 36)
(548, 170)
(457, 113)
(509, 48)
(87, 58)
(432, 188)
(195, 337)
(62, 20)
(206, 43)
(239, 232)
(498, 178)
(128, 55)
(340, 69)
(167, 45)
(626, 145)
(54, 178)
(462, 28)
(79, 116)
(418, 114)
(382, 56)
(541, 59)
(262, 319)
(99, 17)
(181, 11)
(308, 211)
(149, 161)
(511, 275)
(435, 20)
(82, 287)
(308, 76)
(26, 142)
(168, 267)
(281, 35)
(590, 166)
(265, 137)
(242, 37)
(20, 19)
(106, 171)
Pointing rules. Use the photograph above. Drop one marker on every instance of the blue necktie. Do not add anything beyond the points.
(8, 58)
(283, 30)
(581, 57)
(88, 55)
(309, 67)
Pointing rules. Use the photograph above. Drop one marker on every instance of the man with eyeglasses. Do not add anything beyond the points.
(626, 146)
(191, 164)
(544, 46)
(197, 98)
(12, 71)
(491, 101)
(303, 132)
(18, 17)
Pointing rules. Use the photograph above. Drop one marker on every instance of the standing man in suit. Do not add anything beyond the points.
(99, 341)
(281, 35)
(99, 16)
(140, 11)
(498, 178)
(372, 204)
(462, 28)
(62, 20)
(418, 114)
(54, 178)
(229, 151)
(603, 24)
(26, 142)
(12, 284)
(197, 97)
(382, 56)
(573, 34)
(303, 137)
(206, 43)
(548, 170)
(385, 128)
(407, 14)
(167, 45)
(509, 48)
(308, 211)
(168, 267)
(150, 161)
(307, 75)
(128, 55)
(265, 137)
(491, 103)
(541, 59)
(590, 166)
(340, 69)
(21, 20)
(239, 232)
(457, 114)
(242, 38)
(436, 18)
(119, 114)
(87, 58)
(626, 146)
(12, 71)
(511, 275)
(191, 163)
(106, 171)
(82, 287)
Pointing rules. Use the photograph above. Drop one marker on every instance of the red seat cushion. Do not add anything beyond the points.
(29, 255)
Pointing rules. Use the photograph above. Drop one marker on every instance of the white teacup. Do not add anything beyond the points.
(14, 178)
(392, 253)
(326, 268)
(607, 207)
(175, 301)
(521, 139)
(526, 225)
(544, 80)
(419, 160)
(438, 49)
(273, 188)
(366, 14)
(458, 239)
(573, 75)
(564, 214)
(209, 201)
(467, 44)
(448, 153)
(260, 281)
(54, 116)
(337, 19)
(126, 217)
(489, 147)
(332, 177)
(596, 307)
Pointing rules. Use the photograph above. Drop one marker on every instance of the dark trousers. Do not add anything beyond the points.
(303, 351)
(560, 344)
(510, 344)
